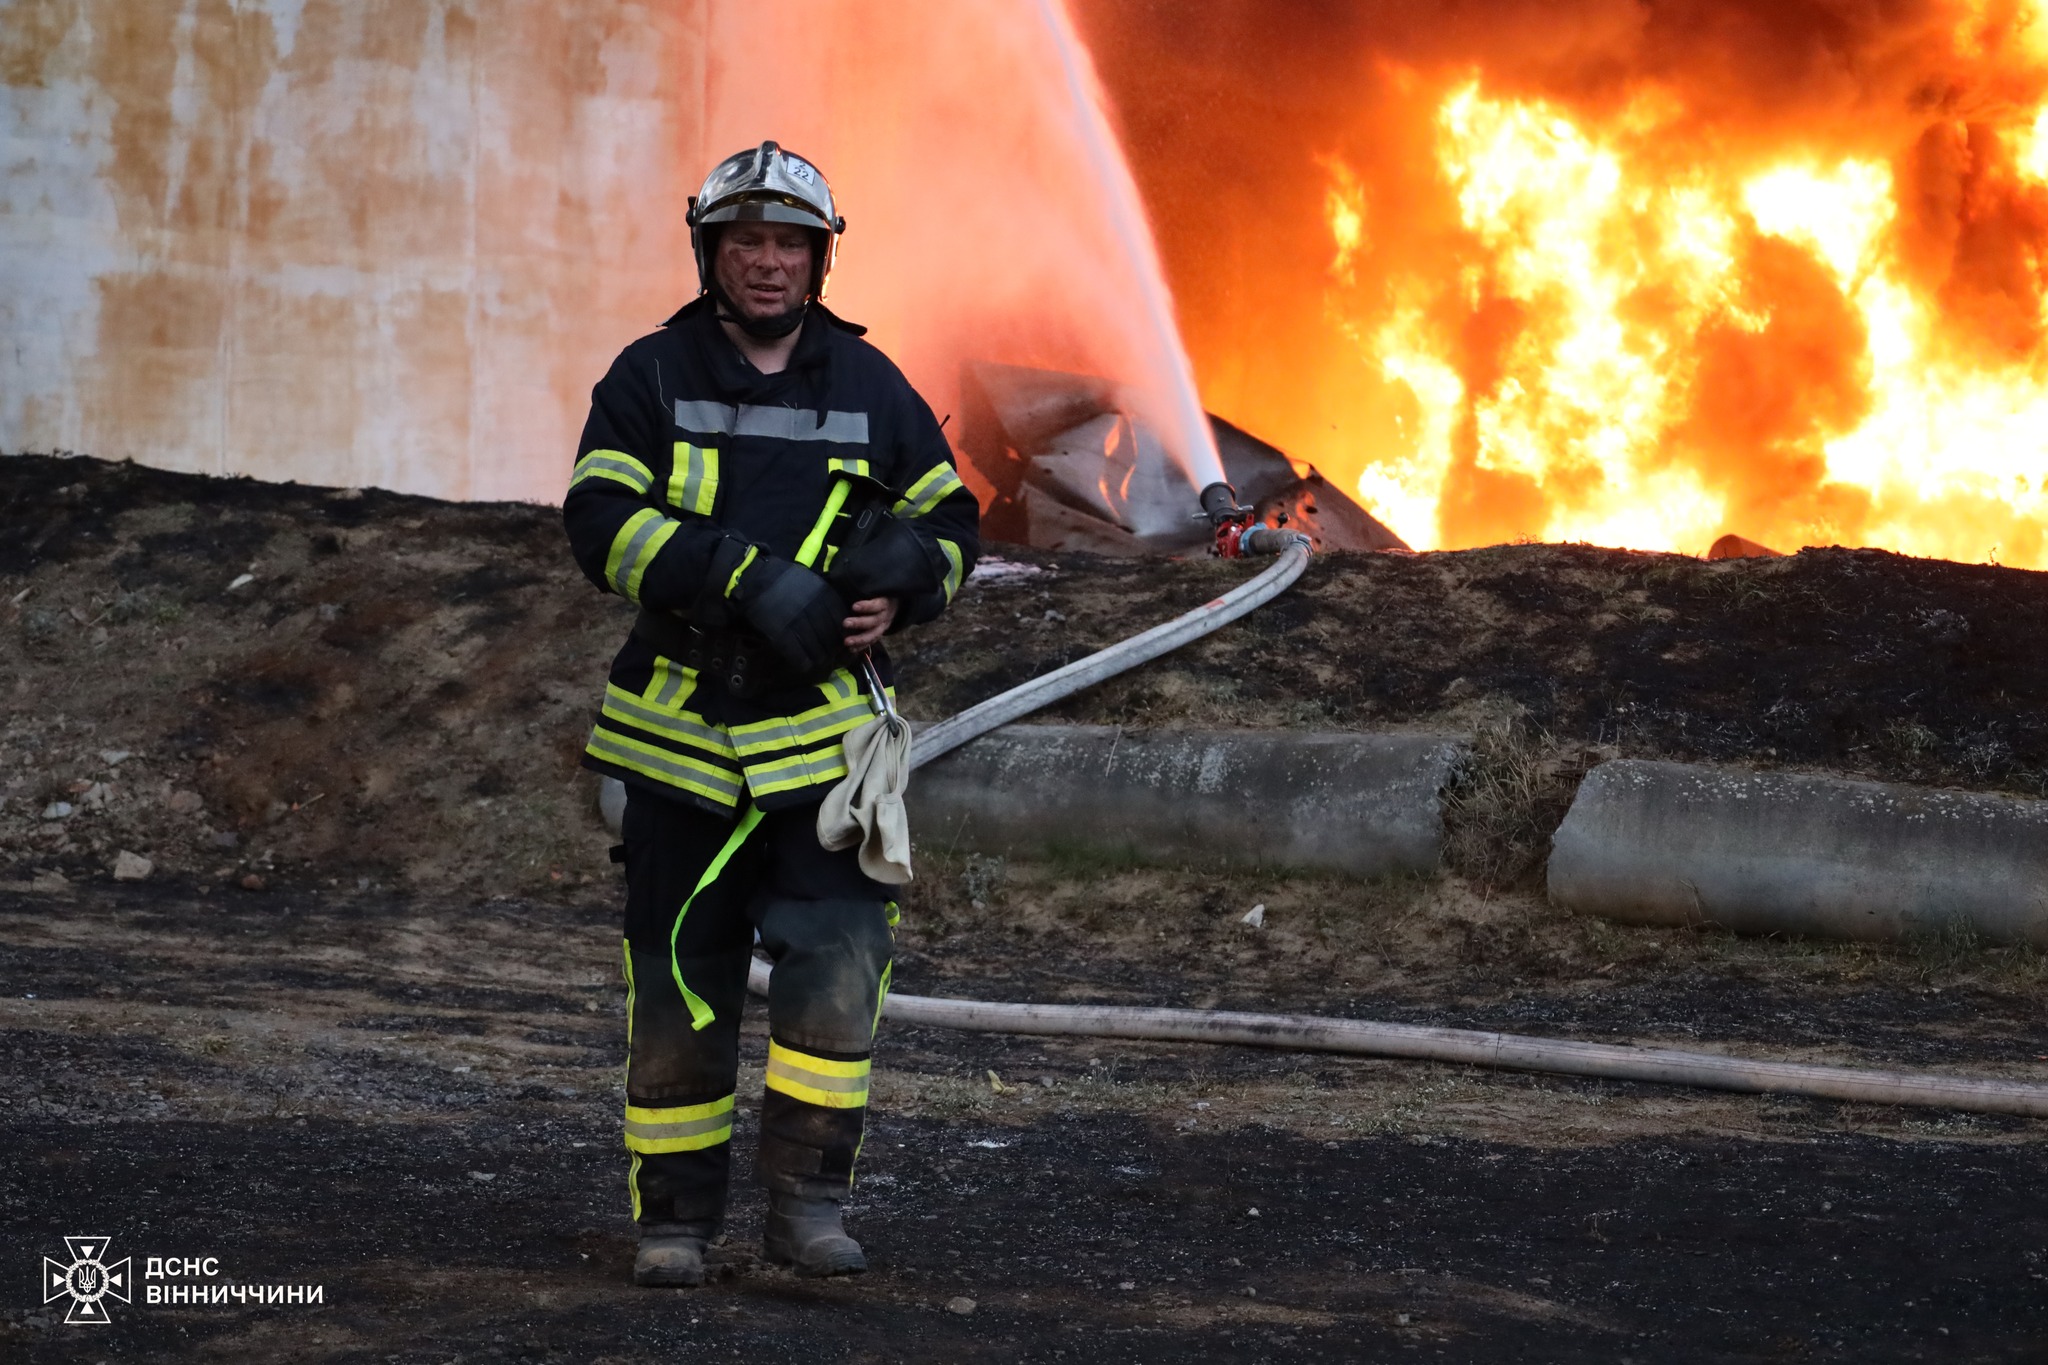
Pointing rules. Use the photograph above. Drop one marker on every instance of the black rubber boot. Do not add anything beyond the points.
(806, 1235)
(672, 1254)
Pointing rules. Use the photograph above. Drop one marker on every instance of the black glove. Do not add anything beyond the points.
(893, 563)
(795, 610)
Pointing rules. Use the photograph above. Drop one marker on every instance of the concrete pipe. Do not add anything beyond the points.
(1367, 805)
(1788, 853)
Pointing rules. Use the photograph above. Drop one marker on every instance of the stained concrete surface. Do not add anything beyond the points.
(1801, 853)
(1368, 805)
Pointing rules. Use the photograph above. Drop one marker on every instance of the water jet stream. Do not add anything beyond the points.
(1187, 432)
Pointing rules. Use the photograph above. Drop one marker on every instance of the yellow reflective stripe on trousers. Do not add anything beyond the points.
(678, 1128)
(615, 465)
(817, 1080)
(934, 487)
(881, 996)
(633, 1168)
(815, 541)
(956, 566)
(700, 1013)
(693, 479)
(626, 955)
(634, 548)
(663, 765)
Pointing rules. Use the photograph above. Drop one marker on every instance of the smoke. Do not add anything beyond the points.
(1360, 283)
(989, 213)
(394, 245)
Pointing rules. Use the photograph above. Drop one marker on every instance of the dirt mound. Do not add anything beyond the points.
(292, 688)
(234, 679)
(1853, 660)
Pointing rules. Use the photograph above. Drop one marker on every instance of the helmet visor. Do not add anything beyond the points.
(763, 210)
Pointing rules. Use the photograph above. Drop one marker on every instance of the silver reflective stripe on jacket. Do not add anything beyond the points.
(786, 424)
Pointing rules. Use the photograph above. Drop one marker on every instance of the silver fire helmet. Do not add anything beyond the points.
(766, 185)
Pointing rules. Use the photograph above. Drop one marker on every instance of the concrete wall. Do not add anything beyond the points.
(394, 242)
(387, 242)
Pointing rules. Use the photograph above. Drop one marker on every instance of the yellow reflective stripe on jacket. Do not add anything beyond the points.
(815, 541)
(722, 785)
(817, 1080)
(693, 479)
(683, 727)
(680, 1128)
(802, 770)
(800, 731)
(839, 464)
(616, 465)
(956, 566)
(935, 486)
(671, 683)
(753, 553)
(634, 548)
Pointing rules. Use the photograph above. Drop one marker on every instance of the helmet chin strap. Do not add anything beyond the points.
(761, 329)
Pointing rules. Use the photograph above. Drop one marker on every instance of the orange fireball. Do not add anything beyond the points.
(1637, 275)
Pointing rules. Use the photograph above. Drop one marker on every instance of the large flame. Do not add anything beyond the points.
(1628, 273)
(1610, 293)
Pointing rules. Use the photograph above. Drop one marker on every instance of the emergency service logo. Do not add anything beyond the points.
(89, 1280)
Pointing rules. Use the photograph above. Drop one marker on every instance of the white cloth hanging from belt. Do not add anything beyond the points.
(866, 806)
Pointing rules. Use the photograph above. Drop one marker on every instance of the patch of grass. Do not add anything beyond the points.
(1359, 916)
(2022, 964)
(1951, 945)
(1506, 801)
(1413, 1106)
(1608, 941)
(914, 1093)
(982, 877)
(1907, 741)
(1091, 860)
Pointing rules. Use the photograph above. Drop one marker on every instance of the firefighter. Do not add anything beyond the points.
(775, 497)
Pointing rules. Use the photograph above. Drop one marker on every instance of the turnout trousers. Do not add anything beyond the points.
(695, 895)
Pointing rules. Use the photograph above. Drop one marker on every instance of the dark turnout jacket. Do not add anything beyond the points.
(688, 444)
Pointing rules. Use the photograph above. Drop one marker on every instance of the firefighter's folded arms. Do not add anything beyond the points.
(775, 497)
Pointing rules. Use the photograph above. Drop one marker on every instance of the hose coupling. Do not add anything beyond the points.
(1231, 521)
(1270, 540)
(1219, 504)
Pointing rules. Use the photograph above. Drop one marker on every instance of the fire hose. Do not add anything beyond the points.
(1238, 535)
(1292, 549)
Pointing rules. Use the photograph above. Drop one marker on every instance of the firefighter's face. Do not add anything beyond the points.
(764, 268)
